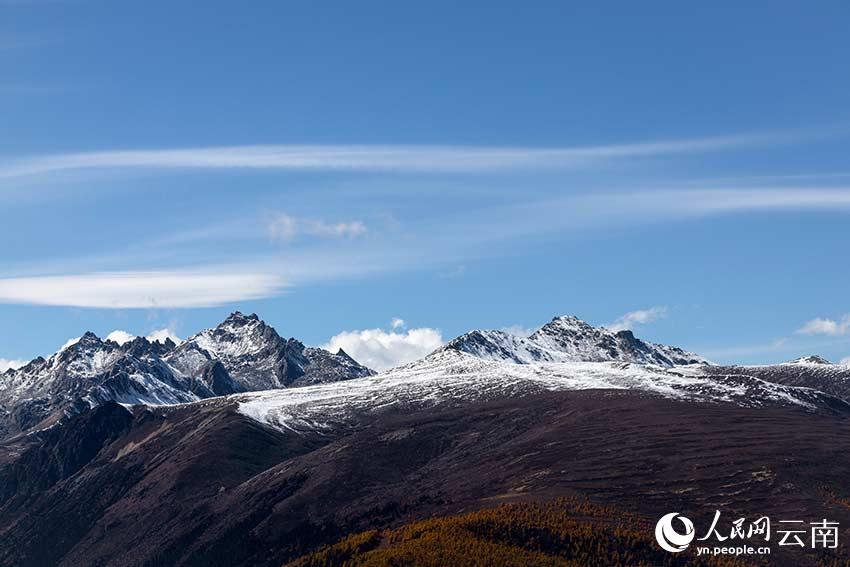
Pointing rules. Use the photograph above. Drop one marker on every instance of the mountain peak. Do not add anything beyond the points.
(88, 341)
(569, 339)
(343, 354)
(567, 321)
(241, 354)
(237, 323)
(570, 319)
(256, 357)
(569, 324)
(811, 359)
(241, 318)
(141, 346)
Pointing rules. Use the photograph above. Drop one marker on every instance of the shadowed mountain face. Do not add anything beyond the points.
(270, 472)
(241, 354)
(204, 485)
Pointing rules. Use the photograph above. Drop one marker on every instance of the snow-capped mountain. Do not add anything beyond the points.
(565, 354)
(569, 339)
(568, 408)
(241, 354)
(85, 374)
(246, 358)
(451, 378)
(257, 358)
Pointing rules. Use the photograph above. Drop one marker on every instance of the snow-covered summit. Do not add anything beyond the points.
(811, 359)
(569, 339)
(85, 374)
(452, 378)
(565, 354)
(241, 354)
(238, 335)
(257, 358)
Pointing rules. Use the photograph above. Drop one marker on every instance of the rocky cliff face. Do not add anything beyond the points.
(241, 354)
(569, 339)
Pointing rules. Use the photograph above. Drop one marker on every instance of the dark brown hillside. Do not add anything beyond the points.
(204, 485)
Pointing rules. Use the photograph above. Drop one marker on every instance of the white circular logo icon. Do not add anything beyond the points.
(667, 536)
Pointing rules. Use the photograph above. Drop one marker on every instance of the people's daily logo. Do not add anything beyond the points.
(669, 538)
(740, 536)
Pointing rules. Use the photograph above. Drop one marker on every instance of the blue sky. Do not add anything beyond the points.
(335, 165)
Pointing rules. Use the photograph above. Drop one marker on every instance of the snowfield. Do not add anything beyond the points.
(448, 377)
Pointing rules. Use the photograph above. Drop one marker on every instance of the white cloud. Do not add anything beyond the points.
(157, 336)
(161, 335)
(828, 327)
(128, 290)
(380, 349)
(400, 158)
(120, 337)
(397, 323)
(6, 364)
(639, 317)
(285, 228)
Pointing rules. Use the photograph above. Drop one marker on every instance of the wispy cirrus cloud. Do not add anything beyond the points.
(427, 244)
(605, 210)
(373, 158)
(152, 289)
(453, 238)
(655, 205)
(719, 201)
(282, 227)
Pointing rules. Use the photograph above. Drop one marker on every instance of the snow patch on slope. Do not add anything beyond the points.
(450, 378)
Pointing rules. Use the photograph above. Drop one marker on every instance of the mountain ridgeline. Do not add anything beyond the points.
(569, 339)
(211, 453)
(242, 354)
